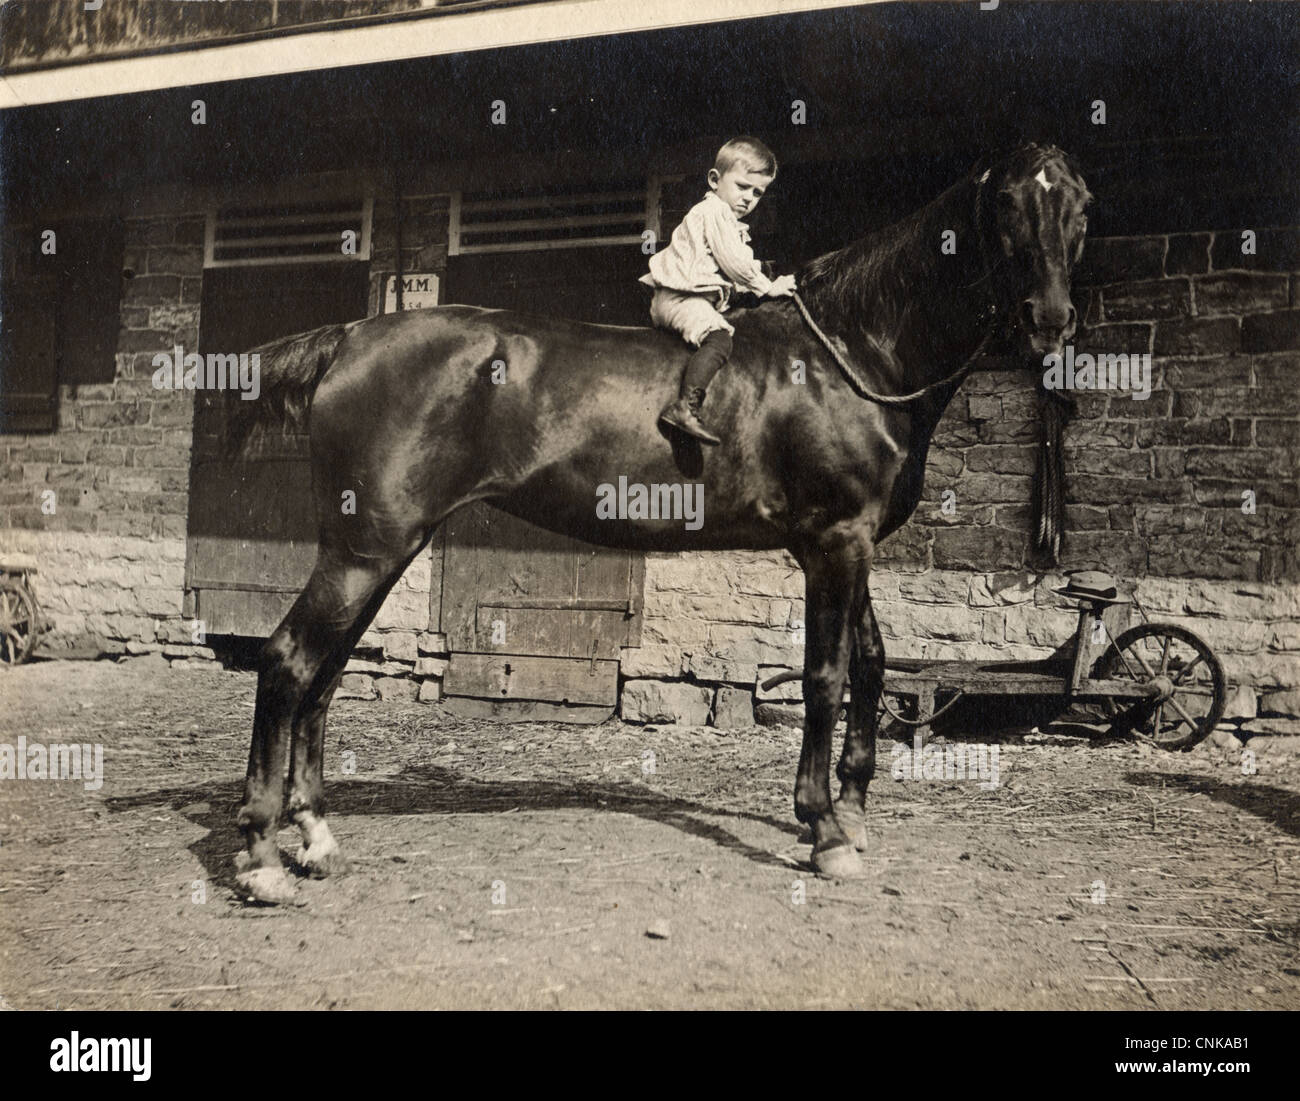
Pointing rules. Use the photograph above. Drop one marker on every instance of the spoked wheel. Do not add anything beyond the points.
(1192, 691)
(18, 630)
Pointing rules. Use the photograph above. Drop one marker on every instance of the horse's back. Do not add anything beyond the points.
(440, 355)
(437, 321)
(441, 321)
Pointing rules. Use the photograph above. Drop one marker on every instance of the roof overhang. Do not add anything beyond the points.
(426, 33)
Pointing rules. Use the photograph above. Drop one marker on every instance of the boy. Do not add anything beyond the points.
(707, 260)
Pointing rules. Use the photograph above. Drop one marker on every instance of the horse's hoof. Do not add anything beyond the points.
(270, 885)
(840, 862)
(322, 859)
(854, 824)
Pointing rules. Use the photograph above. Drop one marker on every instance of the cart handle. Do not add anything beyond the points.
(786, 677)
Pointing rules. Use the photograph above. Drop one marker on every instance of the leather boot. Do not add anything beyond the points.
(705, 362)
(683, 413)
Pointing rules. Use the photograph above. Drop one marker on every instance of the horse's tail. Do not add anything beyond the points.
(290, 369)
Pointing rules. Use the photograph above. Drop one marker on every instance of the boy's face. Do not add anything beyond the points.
(739, 187)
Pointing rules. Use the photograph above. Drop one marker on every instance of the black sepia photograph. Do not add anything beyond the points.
(650, 505)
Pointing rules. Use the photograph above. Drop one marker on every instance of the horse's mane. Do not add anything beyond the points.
(836, 285)
(881, 269)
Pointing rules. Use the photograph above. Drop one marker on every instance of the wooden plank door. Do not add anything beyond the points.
(535, 617)
(535, 621)
(252, 530)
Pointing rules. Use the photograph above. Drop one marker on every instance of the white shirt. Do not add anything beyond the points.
(709, 253)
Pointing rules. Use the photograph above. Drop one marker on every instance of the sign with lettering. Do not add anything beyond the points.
(419, 291)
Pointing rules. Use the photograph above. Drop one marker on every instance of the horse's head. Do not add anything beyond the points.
(1034, 228)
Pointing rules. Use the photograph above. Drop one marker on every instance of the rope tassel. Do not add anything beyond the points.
(1049, 479)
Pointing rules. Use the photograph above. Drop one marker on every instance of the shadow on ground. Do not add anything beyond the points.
(1277, 806)
(428, 789)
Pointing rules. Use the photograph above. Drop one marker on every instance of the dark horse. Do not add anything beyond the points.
(413, 414)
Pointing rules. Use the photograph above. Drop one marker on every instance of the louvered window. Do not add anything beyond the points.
(553, 217)
(308, 232)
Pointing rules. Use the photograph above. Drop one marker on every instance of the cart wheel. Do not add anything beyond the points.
(18, 622)
(1193, 692)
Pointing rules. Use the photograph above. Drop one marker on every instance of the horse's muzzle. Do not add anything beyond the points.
(1047, 329)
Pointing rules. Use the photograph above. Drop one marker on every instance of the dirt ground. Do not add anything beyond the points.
(543, 866)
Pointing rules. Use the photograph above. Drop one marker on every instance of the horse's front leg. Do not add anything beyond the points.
(826, 662)
(866, 682)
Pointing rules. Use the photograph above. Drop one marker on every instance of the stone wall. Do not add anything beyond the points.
(110, 542)
(717, 624)
(1156, 496)
(1155, 490)
(101, 502)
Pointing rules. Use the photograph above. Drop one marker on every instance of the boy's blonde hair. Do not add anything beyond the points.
(751, 152)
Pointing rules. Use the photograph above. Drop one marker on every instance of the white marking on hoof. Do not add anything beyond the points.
(271, 885)
(320, 854)
(854, 824)
(840, 862)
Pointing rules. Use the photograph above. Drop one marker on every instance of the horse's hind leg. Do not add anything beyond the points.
(300, 666)
(320, 855)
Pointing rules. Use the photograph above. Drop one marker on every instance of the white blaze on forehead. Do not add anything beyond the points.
(1042, 179)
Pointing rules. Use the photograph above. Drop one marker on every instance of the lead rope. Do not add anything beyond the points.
(850, 372)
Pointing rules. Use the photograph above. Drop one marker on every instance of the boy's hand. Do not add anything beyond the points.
(782, 287)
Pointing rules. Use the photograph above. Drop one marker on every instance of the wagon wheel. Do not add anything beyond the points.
(1193, 693)
(18, 623)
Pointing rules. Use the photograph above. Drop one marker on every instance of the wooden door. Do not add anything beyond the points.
(252, 529)
(535, 621)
